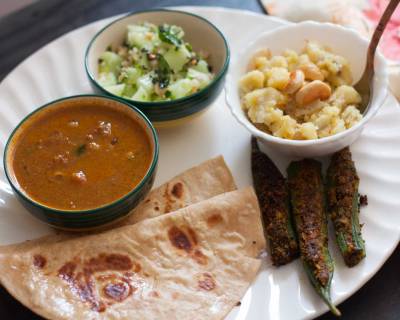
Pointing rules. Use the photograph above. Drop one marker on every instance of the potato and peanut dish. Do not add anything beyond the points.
(300, 96)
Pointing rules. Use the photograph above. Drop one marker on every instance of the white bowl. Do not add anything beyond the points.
(342, 41)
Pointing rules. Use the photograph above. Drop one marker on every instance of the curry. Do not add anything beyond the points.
(80, 157)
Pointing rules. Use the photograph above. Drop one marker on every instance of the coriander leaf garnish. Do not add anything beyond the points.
(169, 35)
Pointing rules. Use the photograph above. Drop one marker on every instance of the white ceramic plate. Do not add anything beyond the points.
(285, 294)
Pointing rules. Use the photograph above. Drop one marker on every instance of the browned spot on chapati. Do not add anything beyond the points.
(175, 295)
(154, 294)
(214, 220)
(82, 279)
(179, 239)
(81, 284)
(39, 261)
(206, 282)
(106, 277)
(109, 262)
(177, 190)
(187, 241)
(168, 200)
(171, 195)
(117, 291)
(199, 257)
(66, 272)
(137, 268)
(157, 208)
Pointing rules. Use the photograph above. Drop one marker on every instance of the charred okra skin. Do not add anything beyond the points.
(308, 208)
(343, 206)
(273, 197)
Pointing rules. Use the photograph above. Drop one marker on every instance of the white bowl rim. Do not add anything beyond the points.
(299, 143)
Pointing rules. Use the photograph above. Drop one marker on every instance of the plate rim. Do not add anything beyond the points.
(199, 10)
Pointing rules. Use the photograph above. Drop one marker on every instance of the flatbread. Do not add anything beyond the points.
(195, 263)
(202, 182)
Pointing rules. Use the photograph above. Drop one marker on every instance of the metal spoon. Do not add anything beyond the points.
(365, 86)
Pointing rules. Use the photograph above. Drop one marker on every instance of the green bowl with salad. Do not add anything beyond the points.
(170, 64)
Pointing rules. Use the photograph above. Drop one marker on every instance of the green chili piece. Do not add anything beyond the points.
(273, 197)
(307, 199)
(344, 207)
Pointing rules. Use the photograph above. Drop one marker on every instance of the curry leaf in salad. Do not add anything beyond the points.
(171, 34)
(153, 64)
(163, 72)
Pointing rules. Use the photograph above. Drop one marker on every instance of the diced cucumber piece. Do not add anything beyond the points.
(107, 79)
(142, 37)
(203, 78)
(117, 89)
(146, 82)
(143, 62)
(129, 90)
(109, 62)
(201, 66)
(180, 88)
(141, 95)
(177, 31)
(177, 58)
(137, 28)
(130, 75)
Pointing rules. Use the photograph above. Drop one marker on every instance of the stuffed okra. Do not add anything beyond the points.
(343, 206)
(308, 207)
(273, 197)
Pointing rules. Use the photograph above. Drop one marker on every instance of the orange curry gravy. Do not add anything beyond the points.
(81, 156)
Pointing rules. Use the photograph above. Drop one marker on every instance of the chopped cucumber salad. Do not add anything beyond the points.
(153, 64)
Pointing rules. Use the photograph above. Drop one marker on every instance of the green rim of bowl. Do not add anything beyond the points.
(160, 103)
(149, 172)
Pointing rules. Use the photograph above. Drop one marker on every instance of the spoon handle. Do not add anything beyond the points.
(379, 31)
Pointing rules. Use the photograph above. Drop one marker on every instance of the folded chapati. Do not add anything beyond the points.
(195, 263)
(202, 182)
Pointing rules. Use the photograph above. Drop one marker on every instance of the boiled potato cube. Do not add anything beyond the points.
(263, 97)
(251, 80)
(287, 128)
(344, 96)
(307, 131)
(279, 62)
(278, 78)
(351, 115)
(292, 59)
(261, 63)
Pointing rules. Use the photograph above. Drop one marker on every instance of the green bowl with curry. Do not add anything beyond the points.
(83, 161)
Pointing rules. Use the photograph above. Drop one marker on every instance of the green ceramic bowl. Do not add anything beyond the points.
(199, 32)
(84, 219)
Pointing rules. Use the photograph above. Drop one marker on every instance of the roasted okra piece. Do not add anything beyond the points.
(307, 199)
(344, 207)
(272, 192)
